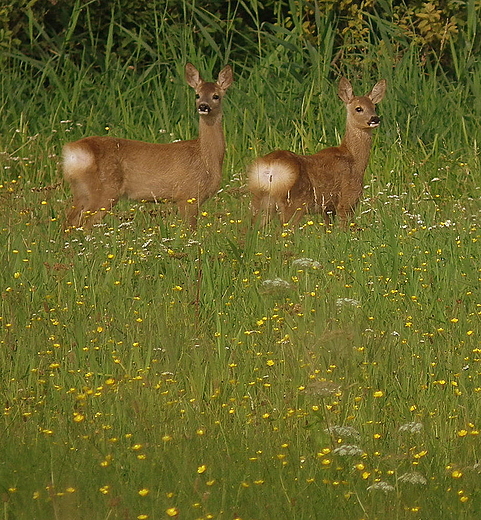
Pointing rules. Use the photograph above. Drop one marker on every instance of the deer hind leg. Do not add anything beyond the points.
(263, 208)
(82, 202)
(93, 194)
(90, 203)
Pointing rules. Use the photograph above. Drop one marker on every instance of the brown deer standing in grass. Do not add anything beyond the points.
(328, 182)
(100, 170)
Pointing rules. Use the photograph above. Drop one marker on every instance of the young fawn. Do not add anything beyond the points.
(100, 170)
(328, 182)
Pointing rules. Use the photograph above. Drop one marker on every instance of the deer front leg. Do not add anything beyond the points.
(345, 211)
(188, 210)
(348, 200)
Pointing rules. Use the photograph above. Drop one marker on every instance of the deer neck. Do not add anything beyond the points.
(211, 143)
(357, 141)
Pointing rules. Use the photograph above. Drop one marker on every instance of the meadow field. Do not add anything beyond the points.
(149, 372)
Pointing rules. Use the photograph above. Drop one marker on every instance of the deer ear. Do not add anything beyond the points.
(378, 91)
(345, 90)
(226, 77)
(192, 76)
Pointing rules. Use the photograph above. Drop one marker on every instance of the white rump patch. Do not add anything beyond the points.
(76, 160)
(274, 177)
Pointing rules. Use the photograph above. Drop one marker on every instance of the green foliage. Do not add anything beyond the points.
(130, 31)
(432, 28)
(124, 30)
(144, 372)
(147, 372)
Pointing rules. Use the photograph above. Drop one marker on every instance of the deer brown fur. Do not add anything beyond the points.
(100, 170)
(329, 182)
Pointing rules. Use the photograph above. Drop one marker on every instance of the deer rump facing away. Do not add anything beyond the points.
(100, 170)
(328, 182)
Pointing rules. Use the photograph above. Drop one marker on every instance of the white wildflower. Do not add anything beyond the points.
(381, 486)
(348, 450)
(341, 302)
(306, 262)
(413, 478)
(276, 283)
(447, 223)
(342, 432)
(412, 427)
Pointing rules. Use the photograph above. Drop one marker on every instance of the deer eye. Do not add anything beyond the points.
(359, 109)
(215, 96)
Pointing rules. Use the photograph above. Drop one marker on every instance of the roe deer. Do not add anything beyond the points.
(100, 170)
(328, 182)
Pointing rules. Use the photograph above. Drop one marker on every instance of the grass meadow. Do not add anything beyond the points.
(147, 372)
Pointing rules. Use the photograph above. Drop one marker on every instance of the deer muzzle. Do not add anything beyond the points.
(204, 108)
(374, 121)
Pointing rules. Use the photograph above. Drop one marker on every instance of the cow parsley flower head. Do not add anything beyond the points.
(343, 431)
(413, 478)
(306, 262)
(348, 450)
(276, 283)
(412, 427)
(343, 302)
(381, 486)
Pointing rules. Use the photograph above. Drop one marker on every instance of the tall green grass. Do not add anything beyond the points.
(147, 372)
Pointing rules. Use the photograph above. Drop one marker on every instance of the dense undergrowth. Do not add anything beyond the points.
(149, 372)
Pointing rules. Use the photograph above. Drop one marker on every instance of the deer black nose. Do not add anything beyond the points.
(203, 108)
(374, 121)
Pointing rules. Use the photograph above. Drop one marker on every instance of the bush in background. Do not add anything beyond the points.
(124, 28)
